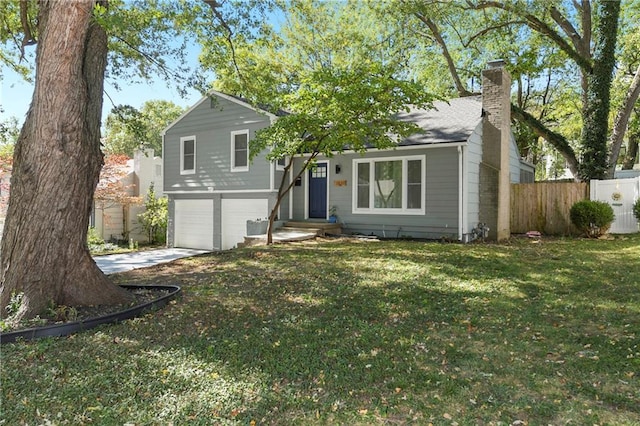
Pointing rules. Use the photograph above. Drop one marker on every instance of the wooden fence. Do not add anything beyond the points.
(545, 206)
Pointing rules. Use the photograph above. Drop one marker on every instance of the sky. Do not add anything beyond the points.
(16, 93)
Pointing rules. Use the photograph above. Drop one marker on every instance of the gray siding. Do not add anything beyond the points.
(442, 189)
(212, 124)
(514, 162)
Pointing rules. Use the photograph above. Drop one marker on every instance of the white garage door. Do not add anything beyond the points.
(193, 224)
(235, 214)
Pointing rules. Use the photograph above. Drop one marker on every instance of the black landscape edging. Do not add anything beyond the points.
(68, 328)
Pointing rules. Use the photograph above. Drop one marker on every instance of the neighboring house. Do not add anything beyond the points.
(440, 183)
(116, 218)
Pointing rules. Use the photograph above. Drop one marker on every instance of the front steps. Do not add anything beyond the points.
(295, 231)
(320, 228)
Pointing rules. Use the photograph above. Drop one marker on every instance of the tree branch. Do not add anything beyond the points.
(621, 122)
(462, 91)
(538, 25)
(558, 141)
(28, 39)
(229, 37)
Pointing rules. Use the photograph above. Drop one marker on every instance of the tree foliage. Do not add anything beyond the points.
(154, 218)
(112, 188)
(338, 79)
(129, 129)
(58, 158)
(561, 56)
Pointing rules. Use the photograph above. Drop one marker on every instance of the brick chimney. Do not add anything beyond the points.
(495, 185)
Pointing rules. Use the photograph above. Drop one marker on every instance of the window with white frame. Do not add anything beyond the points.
(281, 163)
(389, 185)
(240, 151)
(187, 155)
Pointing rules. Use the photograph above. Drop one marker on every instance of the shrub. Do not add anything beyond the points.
(154, 218)
(93, 239)
(636, 209)
(592, 217)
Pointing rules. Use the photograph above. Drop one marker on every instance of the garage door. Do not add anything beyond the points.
(193, 224)
(235, 214)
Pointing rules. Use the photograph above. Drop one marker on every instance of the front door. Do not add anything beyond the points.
(318, 191)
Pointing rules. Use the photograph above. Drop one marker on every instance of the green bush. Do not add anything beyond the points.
(154, 218)
(636, 209)
(93, 239)
(592, 217)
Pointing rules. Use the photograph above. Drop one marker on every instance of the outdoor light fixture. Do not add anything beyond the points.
(338, 169)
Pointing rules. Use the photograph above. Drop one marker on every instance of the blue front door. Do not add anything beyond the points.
(318, 192)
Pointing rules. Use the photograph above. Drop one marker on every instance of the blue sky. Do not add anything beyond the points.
(16, 93)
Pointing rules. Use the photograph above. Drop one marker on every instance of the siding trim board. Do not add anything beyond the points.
(223, 191)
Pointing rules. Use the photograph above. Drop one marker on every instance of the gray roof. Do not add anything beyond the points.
(452, 121)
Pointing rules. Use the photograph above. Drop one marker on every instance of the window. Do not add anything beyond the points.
(240, 151)
(281, 163)
(187, 155)
(389, 185)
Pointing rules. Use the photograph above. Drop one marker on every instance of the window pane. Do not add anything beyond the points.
(415, 171)
(388, 185)
(188, 155)
(414, 184)
(240, 148)
(319, 172)
(188, 147)
(363, 185)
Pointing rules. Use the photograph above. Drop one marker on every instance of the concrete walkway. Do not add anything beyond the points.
(112, 263)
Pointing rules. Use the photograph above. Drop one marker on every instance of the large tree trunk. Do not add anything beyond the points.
(596, 117)
(621, 122)
(56, 169)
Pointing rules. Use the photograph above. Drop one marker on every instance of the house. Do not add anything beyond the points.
(440, 183)
(120, 197)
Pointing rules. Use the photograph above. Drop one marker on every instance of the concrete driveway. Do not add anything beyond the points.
(112, 263)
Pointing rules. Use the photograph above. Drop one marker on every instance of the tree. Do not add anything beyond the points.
(154, 218)
(341, 91)
(129, 129)
(57, 156)
(113, 190)
(56, 168)
(571, 42)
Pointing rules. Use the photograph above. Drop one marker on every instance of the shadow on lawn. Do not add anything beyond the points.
(330, 336)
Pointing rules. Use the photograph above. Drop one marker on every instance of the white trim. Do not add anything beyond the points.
(390, 211)
(272, 176)
(461, 197)
(234, 133)
(291, 191)
(222, 191)
(184, 139)
(398, 148)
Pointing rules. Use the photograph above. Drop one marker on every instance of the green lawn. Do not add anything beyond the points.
(343, 332)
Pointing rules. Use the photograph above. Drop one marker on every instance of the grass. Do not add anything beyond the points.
(344, 332)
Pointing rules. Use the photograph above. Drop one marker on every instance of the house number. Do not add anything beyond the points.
(340, 182)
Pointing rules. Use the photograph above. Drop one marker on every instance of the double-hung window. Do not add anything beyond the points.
(187, 155)
(389, 185)
(240, 151)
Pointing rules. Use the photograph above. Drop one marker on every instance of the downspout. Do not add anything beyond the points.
(461, 198)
